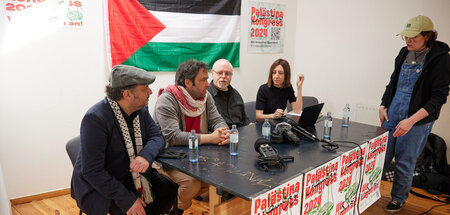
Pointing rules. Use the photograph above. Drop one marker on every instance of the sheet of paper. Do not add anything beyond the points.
(292, 113)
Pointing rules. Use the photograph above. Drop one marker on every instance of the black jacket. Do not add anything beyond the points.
(432, 87)
(101, 172)
(231, 107)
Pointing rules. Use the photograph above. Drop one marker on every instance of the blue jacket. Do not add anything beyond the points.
(101, 173)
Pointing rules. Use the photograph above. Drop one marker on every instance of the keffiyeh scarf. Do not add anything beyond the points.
(141, 182)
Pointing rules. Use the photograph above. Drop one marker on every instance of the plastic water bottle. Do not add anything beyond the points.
(346, 116)
(266, 129)
(234, 140)
(193, 147)
(327, 126)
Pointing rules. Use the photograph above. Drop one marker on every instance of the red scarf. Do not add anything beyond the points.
(178, 94)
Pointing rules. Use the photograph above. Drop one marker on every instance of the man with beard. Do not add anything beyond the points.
(228, 101)
(185, 106)
(119, 142)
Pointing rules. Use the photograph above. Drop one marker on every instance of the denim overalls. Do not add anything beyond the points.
(405, 148)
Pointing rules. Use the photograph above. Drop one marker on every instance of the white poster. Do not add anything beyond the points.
(284, 199)
(370, 190)
(61, 13)
(318, 192)
(350, 175)
(266, 29)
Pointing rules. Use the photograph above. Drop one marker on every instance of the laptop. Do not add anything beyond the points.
(309, 115)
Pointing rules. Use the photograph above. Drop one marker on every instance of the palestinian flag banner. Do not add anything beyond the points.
(157, 35)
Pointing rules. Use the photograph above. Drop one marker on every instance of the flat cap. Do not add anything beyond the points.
(124, 75)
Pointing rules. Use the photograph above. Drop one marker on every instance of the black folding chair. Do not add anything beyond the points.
(72, 148)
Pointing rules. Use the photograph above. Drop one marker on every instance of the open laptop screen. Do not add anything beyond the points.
(309, 115)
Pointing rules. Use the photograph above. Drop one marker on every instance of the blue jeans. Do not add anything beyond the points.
(406, 149)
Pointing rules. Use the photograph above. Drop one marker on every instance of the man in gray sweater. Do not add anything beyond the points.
(187, 106)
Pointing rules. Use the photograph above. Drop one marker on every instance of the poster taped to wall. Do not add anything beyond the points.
(266, 29)
(59, 13)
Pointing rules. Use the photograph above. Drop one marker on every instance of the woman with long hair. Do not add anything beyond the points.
(272, 97)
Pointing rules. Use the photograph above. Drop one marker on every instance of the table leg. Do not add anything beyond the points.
(214, 199)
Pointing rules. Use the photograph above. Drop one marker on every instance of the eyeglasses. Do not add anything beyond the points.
(220, 73)
(404, 38)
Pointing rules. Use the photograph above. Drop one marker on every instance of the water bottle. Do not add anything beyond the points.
(266, 129)
(346, 116)
(234, 139)
(327, 126)
(193, 147)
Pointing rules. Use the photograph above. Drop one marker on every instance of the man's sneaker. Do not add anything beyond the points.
(394, 206)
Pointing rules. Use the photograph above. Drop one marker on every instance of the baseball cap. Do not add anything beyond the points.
(124, 75)
(416, 25)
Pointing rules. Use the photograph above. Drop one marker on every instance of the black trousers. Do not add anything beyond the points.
(165, 191)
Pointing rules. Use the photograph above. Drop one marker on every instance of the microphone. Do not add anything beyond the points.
(285, 129)
(305, 133)
(264, 148)
(296, 128)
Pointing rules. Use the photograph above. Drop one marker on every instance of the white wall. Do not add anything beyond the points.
(49, 78)
(48, 83)
(347, 48)
(5, 206)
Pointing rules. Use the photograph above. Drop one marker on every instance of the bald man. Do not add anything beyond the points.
(228, 101)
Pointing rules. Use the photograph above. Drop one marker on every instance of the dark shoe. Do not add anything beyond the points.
(394, 206)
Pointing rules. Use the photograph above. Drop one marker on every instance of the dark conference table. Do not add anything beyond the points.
(242, 176)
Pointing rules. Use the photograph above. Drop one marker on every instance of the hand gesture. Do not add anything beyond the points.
(221, 136)
(139, 164)
(137, 208)
(300, 80)
(278, 114)
(382, 114)
(403, 127)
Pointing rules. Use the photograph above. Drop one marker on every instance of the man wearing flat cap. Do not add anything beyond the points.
(119, 142)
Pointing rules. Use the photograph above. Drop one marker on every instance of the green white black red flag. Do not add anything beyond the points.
(157, 35)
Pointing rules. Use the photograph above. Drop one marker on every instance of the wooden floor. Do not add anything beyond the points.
(66, 205)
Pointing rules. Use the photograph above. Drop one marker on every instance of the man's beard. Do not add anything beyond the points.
(222, 86)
